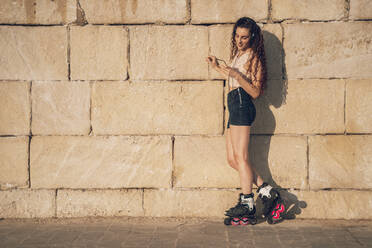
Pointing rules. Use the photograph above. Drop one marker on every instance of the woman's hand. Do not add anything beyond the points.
(222, 68)
(213, 61)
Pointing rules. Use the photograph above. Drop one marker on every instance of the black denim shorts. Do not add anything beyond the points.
(242, 111)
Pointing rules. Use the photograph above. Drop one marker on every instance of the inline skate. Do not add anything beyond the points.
(243, 213)
(273, 203)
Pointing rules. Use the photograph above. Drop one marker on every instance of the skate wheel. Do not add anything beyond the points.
(276, 215)
(227, 221)
(243, 221)
(280, 208)
(235, 222)
(273, 212)
(253, 221)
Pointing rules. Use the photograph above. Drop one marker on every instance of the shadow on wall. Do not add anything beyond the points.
(264, 125)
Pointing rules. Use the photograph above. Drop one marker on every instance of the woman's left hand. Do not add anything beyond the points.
(233, 72)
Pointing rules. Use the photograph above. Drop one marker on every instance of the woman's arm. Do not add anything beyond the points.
(222, 69)
(250, 83)
(251, 87)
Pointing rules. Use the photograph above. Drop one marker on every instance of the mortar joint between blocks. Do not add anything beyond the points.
(269, 10)
(307, 163)
(172, 161)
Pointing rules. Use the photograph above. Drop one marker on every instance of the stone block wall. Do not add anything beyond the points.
(108, 108)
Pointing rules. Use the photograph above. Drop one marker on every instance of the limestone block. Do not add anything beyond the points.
(308, 9)
(202, 162)
(15, 115)
(220, 45)
(169, 52)
(351, 204)
(340, 161)
(37, 12)
(13, 162)
(184, 203)
(360, 9)
(301, 107)
(60, 108)
(100, 161)
(225, 11)
(26, 203)
(83, 203)
(273, 34)
(280, 160)
(37, 53)
(99, 52)
(135, 11)
(324, 50)
(358, 106)
(157, 107)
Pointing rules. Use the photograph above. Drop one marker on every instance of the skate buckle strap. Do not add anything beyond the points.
(265, 191)
(249, 202)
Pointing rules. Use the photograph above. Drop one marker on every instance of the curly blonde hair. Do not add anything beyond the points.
(256, 65)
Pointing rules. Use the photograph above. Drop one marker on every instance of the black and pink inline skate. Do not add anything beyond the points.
(273, 203)
(242, 213)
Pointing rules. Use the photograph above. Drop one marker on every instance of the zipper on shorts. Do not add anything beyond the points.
(240, 97)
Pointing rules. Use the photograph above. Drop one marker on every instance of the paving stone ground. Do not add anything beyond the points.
(174, 232)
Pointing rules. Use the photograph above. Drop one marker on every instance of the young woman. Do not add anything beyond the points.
(246, 81)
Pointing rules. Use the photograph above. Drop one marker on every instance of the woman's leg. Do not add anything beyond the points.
(257, 180)
(229, 150)
(239, 137)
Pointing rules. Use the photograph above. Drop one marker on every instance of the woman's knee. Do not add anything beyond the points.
(231, 161)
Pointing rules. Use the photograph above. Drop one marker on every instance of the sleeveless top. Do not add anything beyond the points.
(238, 63)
